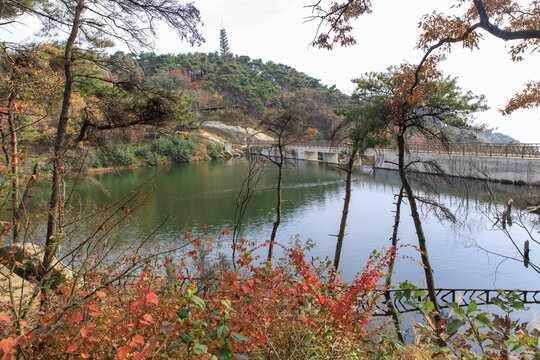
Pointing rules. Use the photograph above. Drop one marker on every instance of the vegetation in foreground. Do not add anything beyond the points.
(204, 310)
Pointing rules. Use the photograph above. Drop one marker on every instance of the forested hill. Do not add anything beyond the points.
(120, 91)
(248, 89)
(213, 80)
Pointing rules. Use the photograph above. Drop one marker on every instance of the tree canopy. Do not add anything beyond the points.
(466, 25)
(89, 27)
(257, 87)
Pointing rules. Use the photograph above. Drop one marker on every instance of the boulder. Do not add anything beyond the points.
(13, 287)
(26, 260)
(237, 153)
(534, 210)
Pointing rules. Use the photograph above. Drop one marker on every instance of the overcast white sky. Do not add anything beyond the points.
(276, 30)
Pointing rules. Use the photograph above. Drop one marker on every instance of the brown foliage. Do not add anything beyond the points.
(527, 99)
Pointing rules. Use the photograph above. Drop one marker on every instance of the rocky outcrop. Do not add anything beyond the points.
(239, 133)
(26, 260)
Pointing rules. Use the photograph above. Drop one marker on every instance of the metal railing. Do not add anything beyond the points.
(464, 296)
(476, 149)
(303, 144)
(464, 149)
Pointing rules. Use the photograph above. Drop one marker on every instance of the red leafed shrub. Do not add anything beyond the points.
(295, 293)
(258, 310)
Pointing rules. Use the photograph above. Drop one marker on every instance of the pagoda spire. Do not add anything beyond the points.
(223, 42)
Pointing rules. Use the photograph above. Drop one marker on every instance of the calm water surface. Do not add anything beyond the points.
(200, 198)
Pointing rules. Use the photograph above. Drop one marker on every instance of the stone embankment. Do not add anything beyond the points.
(516, 170)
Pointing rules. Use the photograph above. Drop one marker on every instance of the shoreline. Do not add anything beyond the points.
(104, 170)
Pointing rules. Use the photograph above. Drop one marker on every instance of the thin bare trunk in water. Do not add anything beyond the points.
(345, 212)
(278, 204)
(249, 185)
(388, 282)
(430, 282)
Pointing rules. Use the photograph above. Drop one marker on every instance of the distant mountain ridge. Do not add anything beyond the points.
(469, 136)
(497, 137)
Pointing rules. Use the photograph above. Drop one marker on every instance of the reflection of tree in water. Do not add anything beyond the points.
(203, 193)
(519, 223)
(501, 206)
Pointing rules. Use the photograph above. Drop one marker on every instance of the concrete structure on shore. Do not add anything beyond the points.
(508, 163)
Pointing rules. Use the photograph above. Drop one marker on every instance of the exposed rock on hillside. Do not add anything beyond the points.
(238, 133)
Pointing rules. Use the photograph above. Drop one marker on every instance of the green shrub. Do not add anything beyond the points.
(123, 156)
(150, 158)
(182, 148)
(177, 148)
(161, 146)
(116, 155)
(214, 150)
(94, 159)
(141, 151)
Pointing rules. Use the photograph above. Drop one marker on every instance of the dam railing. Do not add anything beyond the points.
(531, 150)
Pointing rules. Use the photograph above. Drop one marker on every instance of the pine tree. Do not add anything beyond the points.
(223, 42)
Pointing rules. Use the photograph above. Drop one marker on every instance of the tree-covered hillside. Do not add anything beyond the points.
(252, 87)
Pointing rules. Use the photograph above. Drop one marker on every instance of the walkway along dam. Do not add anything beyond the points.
(507, 163)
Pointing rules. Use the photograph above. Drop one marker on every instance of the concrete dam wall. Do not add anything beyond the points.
(507, 163)
(504, 169)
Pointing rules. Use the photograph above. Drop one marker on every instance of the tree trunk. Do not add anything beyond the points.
(388, 282)
(15, 172)
(51, 242)
(278, 204)
(345, 212)
(417, 223)
(17, 215)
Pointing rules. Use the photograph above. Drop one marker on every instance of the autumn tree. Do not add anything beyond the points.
(434, 99)
(94, 24)
(507, 20)
(29, 80)
(411, 85)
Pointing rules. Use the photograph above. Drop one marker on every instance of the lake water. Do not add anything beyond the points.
(200, 199)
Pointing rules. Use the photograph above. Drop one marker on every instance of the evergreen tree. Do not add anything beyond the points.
(223, 42)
